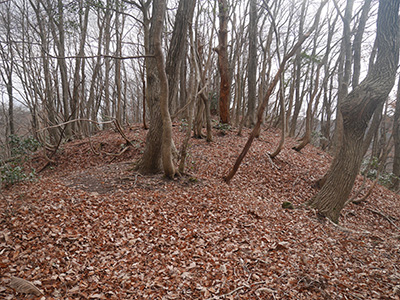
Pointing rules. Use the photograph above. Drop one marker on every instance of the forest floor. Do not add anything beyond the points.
(91, 228)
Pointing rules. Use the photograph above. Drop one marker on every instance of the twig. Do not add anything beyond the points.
(119, 128)
(348, 229)
(98, 56)
(228, 294)
(362, 187)
(76, 120)
(235, 290)
(369, 192)
(385, 216)
(92, 148)
(272, 163)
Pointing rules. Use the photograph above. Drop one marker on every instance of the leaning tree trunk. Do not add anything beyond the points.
(357, 109)
(268, 93)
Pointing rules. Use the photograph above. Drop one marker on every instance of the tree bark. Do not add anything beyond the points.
(252, 65)
(298, 94)
(157, 155)
(166, 142)
(176, 51)
(396, 140)
(357, 109)
(223, 63)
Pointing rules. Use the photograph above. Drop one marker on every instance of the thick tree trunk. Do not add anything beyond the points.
(357, 109)
(157, 155)
(223, 63)
(166, 142)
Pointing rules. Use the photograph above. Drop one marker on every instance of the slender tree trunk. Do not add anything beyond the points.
(358, 41)
(193, 87)
(283, 119)
(344, 71)
(91, 111)
(106, 113)
(271, 87)
(78, 62)
(298, 94)
(176, 52)
(49, 99)
(252, 65)
(59, 37)
(118, 62)
(396, 140)
(357, 109)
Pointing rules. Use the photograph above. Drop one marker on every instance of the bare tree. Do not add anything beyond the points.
(396, 139)
(252, 64)
(7, 62)
(271, 87)
(223, 62)
(357, 109)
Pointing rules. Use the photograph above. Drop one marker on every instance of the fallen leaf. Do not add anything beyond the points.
(23, 286)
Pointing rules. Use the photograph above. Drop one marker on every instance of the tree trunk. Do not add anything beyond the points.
(77, 78)
(193, 87)
(252, 65)
(59, 37)
(344, 70)
(49, 99)
(157, 155)
(357, 42)
(166, 142)
(106, 113)
(396, 140)
(298, 94)
(357, 109)
(118, 62)
(223, 63)
(271, 87)
(176, 52)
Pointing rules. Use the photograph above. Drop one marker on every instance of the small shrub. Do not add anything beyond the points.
(369, 168)
(13, 170)
(223, 128)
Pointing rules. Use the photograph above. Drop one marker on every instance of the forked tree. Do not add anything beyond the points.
(157, 155)
(357, 109)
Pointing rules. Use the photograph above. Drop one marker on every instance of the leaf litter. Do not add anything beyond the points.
(91, 228)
